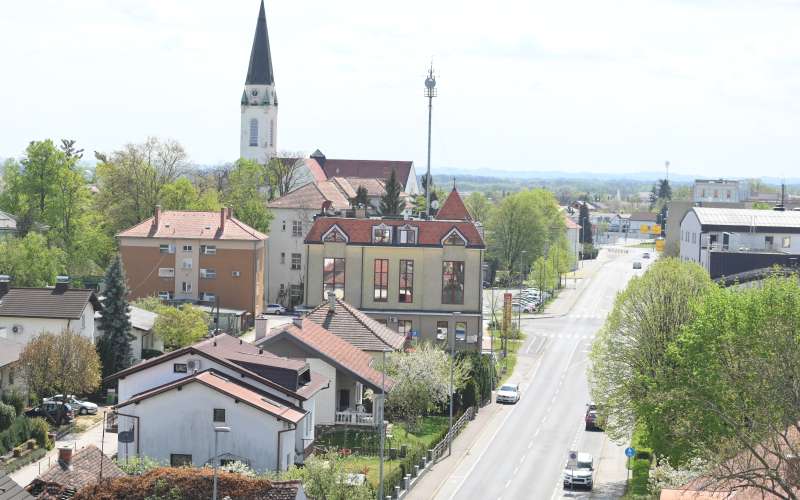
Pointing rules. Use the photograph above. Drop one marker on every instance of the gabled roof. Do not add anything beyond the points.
(430, 232)
(179, 224)
(331, 348)
(84, 470)
(740, 218)
(371, 169)
(237, 390)
(9, 490)
(453, 208)
(53, 303)
(7, 222)
(282, 374)
(312, 196)
(259, 72)
(645, 216)
(355, 327)
(374, 187)
(570, 224)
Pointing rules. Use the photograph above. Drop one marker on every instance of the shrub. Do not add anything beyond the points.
(136, 466)
(16, 400)
(39, 430)
(18, 432)
(7, 416)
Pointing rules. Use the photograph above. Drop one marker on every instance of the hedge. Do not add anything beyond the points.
(22, 429)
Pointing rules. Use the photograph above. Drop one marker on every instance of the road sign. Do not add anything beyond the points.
(572, 461)
(630, 452)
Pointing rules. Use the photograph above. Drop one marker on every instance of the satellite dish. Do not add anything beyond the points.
(435, 204)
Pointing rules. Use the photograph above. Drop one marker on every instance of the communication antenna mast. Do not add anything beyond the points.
(430, 93)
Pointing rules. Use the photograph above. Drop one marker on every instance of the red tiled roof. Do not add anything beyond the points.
(571, 224)
(195, 225)
(374, 187)
(453, 208)
(85, 469)
(316, 170)
(256, 398)
(375, 169)
(355, 327)
(359, 231)
(339, 352)
(312, 196)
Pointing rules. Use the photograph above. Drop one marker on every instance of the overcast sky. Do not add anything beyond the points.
(604, 86)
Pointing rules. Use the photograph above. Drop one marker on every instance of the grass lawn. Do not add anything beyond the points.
(82, 423)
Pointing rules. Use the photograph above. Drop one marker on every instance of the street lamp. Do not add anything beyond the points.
(452, 360)
(519, 298)
(217, 431)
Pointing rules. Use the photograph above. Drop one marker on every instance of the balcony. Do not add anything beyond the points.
(357, 418)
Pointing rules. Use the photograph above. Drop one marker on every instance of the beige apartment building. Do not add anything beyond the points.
(421, 278)
(208, 257)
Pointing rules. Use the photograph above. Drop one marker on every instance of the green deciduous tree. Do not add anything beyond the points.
(181, 194)
(180, 326)
(391, 202)
(478, 206)
(30, 262)
(630, 370)
(246, 194)
(115, 345)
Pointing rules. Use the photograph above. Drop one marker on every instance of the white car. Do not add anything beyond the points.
(274, 309)
(82, 407)
(508, 393)
(582, 474)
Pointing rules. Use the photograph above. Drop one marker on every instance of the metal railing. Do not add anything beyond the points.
(354, 418)
(440, 448)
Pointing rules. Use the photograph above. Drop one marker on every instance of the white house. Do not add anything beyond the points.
(349, 369)
(169, 405)
(573, 240)
(144, 338)
(706, 233)
(719, 191)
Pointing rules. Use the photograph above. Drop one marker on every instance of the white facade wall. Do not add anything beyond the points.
(574, 246)
(282, 243)
(31, 327)
(263, 109)
(690, 238)
(181, 422)
(326, 399)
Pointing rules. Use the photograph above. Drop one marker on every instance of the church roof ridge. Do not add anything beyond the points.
(259, 72)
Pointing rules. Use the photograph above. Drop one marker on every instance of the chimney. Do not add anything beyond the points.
(4, 283)
(298, 322)
(262, 326)
(223, 214)
(332, 302)
(230, 212)
(65, 457)
(157, 217)
(361, 213)
(62, 283)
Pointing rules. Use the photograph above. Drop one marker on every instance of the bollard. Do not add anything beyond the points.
(415, 472)
(407, 482)
(429, 454)
(396, 493)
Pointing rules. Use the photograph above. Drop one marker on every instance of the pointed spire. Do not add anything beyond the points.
(260, 70)
(453, 207)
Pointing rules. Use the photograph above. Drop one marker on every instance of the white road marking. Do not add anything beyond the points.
(516, 469)
(522, 459)
(507, 483)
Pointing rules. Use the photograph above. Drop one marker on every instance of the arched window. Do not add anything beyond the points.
(272, 133)
(253, 132)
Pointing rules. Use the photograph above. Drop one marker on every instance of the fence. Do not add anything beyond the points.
(440, 448)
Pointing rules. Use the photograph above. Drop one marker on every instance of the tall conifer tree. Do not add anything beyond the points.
(115, 345)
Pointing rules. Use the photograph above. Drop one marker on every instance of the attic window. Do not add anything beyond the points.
(334, 235)
(382, 234)
(454, 238)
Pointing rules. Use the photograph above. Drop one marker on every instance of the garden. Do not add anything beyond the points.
(22, 440)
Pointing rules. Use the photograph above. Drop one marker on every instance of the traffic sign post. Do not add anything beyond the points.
(630, 452)
(572, 462)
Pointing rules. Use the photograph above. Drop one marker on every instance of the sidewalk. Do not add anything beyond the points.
(611, 474)
(93, 435)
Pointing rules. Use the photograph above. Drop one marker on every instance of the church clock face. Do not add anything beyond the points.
(254, 92)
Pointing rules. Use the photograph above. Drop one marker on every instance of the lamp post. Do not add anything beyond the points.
(452, 360)
(519, 297)
(217, 431)
(380, 423)
(430, 93)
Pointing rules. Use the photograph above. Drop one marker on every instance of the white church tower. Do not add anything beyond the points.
(259, 100)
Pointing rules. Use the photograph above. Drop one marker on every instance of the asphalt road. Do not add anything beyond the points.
(524, 457)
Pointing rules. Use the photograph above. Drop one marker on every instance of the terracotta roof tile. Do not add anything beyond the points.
(374, 186)
(46, 302)
(375, 169)
(355, 327)
(453, 208)
(256, 398)
(312, 196)
(84, 471)
(333, 348)
(359, 231)
(570, 224)
(196, 225)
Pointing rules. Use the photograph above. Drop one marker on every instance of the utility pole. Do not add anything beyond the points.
(452, 360)
(430, 93)
(666, 167)
(380, 423)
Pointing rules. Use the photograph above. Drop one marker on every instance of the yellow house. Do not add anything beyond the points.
(421, 278)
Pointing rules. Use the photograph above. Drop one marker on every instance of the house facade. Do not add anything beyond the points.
(349, 369)
(719, 191)
(207, 257)
(220, 381)
(709, 236)
(420, 277)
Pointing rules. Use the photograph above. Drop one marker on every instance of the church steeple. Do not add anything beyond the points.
(260, 70)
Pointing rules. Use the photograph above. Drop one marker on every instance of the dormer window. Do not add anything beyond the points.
(454, 238)
(382, 234)
(334, 235)
(407, 235)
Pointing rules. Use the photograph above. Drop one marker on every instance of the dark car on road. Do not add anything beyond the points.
(591, 418)
(53, 412)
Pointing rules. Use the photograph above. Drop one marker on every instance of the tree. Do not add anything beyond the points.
(246, 194)
(183, 195)
(327, 477)
(422, 381)
(664, 190)
(361, 199)
(115, 345)
(130, 180)
(180, 326)
(30, 262)
(282, 172)
(478, 206)
(629, 361)
(63, 363)
(586, 224)
(391, 203)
